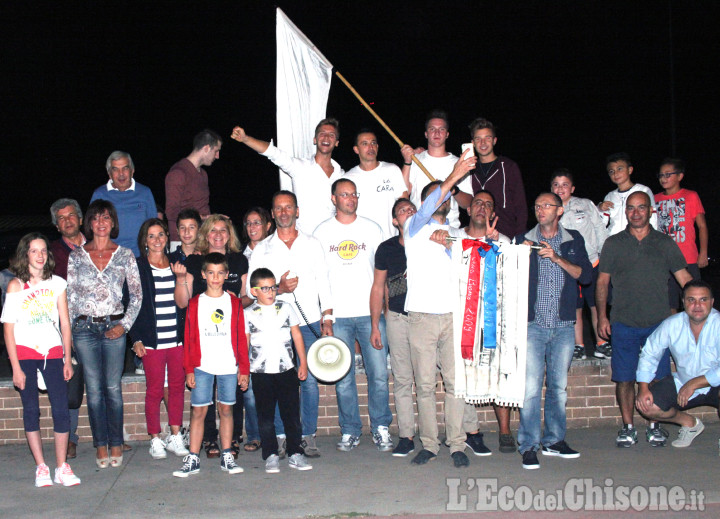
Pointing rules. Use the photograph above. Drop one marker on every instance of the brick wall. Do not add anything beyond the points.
(591, 402)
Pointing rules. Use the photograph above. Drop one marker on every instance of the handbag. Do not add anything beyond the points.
(76, 385)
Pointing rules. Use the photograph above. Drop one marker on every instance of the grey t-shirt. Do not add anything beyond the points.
(639, 272)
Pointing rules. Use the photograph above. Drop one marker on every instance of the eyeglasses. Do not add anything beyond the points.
(256, 223)
(267, 290)
(545, 206)
(662, 176)
(348, 195)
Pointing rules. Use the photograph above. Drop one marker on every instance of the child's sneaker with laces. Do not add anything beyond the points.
(64, 476)
(42, 476)
(299, 462)
(272, 464)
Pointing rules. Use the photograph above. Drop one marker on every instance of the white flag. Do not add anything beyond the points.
(302, 88)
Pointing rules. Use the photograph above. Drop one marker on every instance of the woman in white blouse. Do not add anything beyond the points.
(97, 273)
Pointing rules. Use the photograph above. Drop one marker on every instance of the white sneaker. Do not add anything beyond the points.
(299, 462)
(348, 442)
(42, 476)
(157, 449)
(686, 435)
(64, 476)
(382, 439)
(176, 445)
(272, 464)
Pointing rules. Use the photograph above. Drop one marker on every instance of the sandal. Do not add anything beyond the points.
(211, 449)
(252, 446)
(235, 448)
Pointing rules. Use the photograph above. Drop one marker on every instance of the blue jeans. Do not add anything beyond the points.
(103, 361)
(348, 329)
(549, 354)
(251, 420)
(309, 392)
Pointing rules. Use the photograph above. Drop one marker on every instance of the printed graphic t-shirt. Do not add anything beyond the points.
(214, 318)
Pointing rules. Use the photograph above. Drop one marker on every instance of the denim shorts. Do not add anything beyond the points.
(202, 394)
(627, 342)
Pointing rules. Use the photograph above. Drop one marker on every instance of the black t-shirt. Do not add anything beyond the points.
(237, 267)
(390, 256)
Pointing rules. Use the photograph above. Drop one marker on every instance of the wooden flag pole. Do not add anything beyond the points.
(382, 123)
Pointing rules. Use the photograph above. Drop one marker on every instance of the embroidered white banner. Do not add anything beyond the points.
(494, 375)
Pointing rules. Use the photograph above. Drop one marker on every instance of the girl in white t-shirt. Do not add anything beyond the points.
(38, 339)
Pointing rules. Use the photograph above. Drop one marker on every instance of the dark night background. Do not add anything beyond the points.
(566, 82)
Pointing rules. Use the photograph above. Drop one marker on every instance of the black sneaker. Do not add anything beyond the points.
(476, 444)
(404, 447)
(507, 443)
(460, 459)
(423, 457)
(603, 351)
(560, 449)
(579, 353)
(530, 460)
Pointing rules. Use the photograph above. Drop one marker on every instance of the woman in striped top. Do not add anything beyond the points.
(157, 336)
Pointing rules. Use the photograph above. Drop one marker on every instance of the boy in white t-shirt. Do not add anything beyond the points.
(271, 327)
(215, 348)
(619, 168)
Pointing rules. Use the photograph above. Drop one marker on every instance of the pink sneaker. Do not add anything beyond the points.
(42, 476)
(64, 476)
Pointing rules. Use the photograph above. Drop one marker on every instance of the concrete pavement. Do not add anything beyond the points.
(365, 482)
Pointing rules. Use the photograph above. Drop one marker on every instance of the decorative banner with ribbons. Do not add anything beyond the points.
(469, 322)
(490, 295)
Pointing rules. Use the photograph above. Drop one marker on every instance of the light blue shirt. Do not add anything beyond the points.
(424, 217)
(692, 359)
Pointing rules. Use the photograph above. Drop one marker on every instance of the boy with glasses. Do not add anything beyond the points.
(679, 211)
(271, 326)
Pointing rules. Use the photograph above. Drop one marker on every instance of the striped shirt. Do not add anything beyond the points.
(165, 309)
